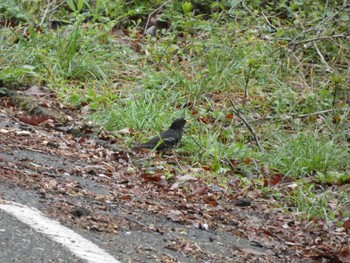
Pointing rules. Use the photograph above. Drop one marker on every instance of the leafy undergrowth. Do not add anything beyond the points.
(265, 87)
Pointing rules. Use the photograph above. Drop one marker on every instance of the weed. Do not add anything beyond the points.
(306, 154)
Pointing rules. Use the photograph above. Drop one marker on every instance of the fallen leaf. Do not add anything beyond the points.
(151, 177)
(253, 252)
(336, 119)
(210, 200)
(346, 224)
(125, 131)
(199, 191)
(229, 116)
(344, 254)
(186, 177)
(276, 179)
(33, 120)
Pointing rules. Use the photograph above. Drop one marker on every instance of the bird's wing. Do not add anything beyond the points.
(170, 135)
(154, 140)
(166, 139)
(169, 139)
(151, 143)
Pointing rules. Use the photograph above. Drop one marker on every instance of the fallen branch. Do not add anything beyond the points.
(151, 14)
(318, 39)
(293, 116)
(329, 69)
(267, 20)
(46, 11)
(250, 128)
(317, 113)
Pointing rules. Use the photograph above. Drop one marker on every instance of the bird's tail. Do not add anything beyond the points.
(142, 146)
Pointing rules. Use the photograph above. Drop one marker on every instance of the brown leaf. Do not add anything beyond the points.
(151, 177)
(206, 120)
(229, 116)
(199, 191)
(125, 197)
(336, 119)
(346, 224)
(210, 200)
(33, 120)
(248, 160)
(206, 167)
(82, 140)
(276, 179)
(344, 255)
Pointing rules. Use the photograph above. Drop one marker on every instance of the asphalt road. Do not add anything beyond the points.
(20, 243)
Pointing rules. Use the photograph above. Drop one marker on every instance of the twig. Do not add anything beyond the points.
(267, 20)
(229, 163)
(322, 58)
(178, 163)
(318, 39)
(301, 115)
(246, 8)
(315, 113)
(335, 92)
(320, 25)
(325, 9)
(46, 11)
(151, 14)
(247, 79)
(57, 6)
(200, 146)
(250, 128)
(256, 166)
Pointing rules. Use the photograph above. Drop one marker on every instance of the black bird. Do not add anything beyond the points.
(166, 139)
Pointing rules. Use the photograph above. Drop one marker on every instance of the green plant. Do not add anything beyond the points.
(14, 76)
(311, 203)
(78, 5)
(305, 154)
(10, 10)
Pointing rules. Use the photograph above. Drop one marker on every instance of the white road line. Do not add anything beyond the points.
(78, 245)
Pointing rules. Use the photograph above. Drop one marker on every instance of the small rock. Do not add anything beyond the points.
(204, 226)
(201, 226)
(80, 211)
(243, 202)
(23, 133)
(151, 31)
(53, 144)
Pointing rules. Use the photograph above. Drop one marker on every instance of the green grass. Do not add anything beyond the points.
(143, 83)
(312, 203)
(304, 154)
